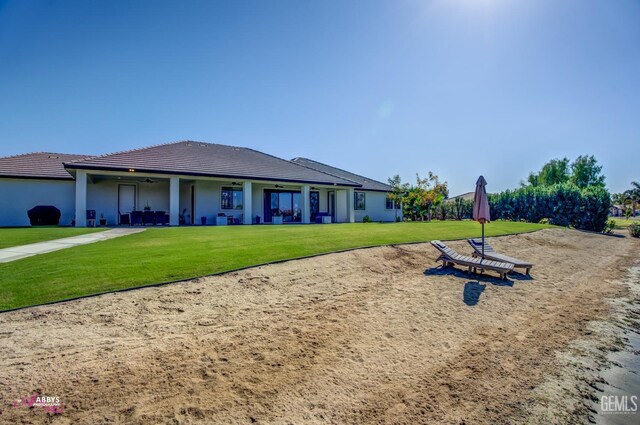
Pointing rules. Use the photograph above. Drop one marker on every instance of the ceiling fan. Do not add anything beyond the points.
(148, 180)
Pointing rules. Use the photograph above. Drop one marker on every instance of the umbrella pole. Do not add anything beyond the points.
(483, 240)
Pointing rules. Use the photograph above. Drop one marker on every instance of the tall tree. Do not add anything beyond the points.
(620, 199)
(585, 172)
(398, 193)
(553, 172)
(462, 208)
(432, 192)
(412, 203)
(633, 195)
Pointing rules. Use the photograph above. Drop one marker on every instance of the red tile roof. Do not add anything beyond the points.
(208, 159)
(367, 183)
(37, 165)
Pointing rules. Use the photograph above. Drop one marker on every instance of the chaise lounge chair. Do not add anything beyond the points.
(491, 254)
(449, 257)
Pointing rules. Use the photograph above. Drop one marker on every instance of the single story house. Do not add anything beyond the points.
(187, 182)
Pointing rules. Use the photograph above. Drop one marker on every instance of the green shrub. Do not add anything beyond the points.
(461, 208)
(366, 219)
(609, 226)
(562, 204)
(634, 230)
(443, 210)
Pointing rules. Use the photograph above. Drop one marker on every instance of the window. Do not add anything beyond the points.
(390, 204)
(231, 198)
(359, 201)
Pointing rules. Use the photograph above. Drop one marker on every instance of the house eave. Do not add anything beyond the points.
(23, 177)
(76, 166)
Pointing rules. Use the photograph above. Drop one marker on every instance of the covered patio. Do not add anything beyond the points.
(139, 198)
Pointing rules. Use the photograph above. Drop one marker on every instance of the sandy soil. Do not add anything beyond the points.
(378, 335)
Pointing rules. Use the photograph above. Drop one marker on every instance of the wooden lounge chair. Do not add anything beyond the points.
(491, 254)
(449, 257)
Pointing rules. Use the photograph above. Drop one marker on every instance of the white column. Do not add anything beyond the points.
(81, 198)
(174, 201)
(306, 205)
(247, 193)
(351, 214)
(340, 196)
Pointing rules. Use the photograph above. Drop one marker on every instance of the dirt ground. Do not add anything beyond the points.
(379, 335)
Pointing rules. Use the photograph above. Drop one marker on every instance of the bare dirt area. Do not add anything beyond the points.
(378, 335)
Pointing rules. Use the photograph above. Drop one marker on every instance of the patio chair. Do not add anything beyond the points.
(449, 257)
(136, 218)
(125, 219)
(491, 254)
(148, 217)
(161, 219)
(91, 218)
(320, 215)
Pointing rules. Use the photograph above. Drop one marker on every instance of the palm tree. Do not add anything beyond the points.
(634, 195)
(625, 199)
(616, 200)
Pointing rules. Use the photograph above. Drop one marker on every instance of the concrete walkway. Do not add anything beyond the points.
(17, 252)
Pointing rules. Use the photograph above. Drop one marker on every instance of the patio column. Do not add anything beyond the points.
(351, 215)
(306, 205)
(174, 201)
(81, 198)
(246, 203)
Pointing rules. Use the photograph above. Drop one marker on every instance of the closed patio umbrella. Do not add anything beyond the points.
(481, 206)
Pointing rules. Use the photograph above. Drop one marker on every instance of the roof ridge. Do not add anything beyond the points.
(339, 169)
(177, 142)
(321, 171)
(302, 165)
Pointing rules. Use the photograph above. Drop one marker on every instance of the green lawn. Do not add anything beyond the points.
(26, 235)
(622, 223)
(161, 255)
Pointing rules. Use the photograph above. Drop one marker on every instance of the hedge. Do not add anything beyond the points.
(562, 204)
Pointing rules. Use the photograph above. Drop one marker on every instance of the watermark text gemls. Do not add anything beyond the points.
(617, 404)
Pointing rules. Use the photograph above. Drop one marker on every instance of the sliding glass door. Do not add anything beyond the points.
(285, 203)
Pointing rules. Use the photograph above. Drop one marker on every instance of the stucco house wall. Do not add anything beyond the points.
(20, 195)
(375, 207)
(102, 196)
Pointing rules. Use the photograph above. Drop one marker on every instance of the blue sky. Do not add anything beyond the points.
(459, 87)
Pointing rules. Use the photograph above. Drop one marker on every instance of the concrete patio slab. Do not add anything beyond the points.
(17, 252)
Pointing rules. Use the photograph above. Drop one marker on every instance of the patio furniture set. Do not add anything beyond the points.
(492, 260)
(145, 218)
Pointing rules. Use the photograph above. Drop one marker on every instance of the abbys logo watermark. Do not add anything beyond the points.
(49, 404)
(619, 404)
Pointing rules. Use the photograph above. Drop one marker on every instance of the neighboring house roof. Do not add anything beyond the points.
(367, 183)
(208, 159)
(37, 165)
(466, 196)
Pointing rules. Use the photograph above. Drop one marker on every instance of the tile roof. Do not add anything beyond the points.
(466, 196)
(37, 165)
(209, 159)
(367, 183)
